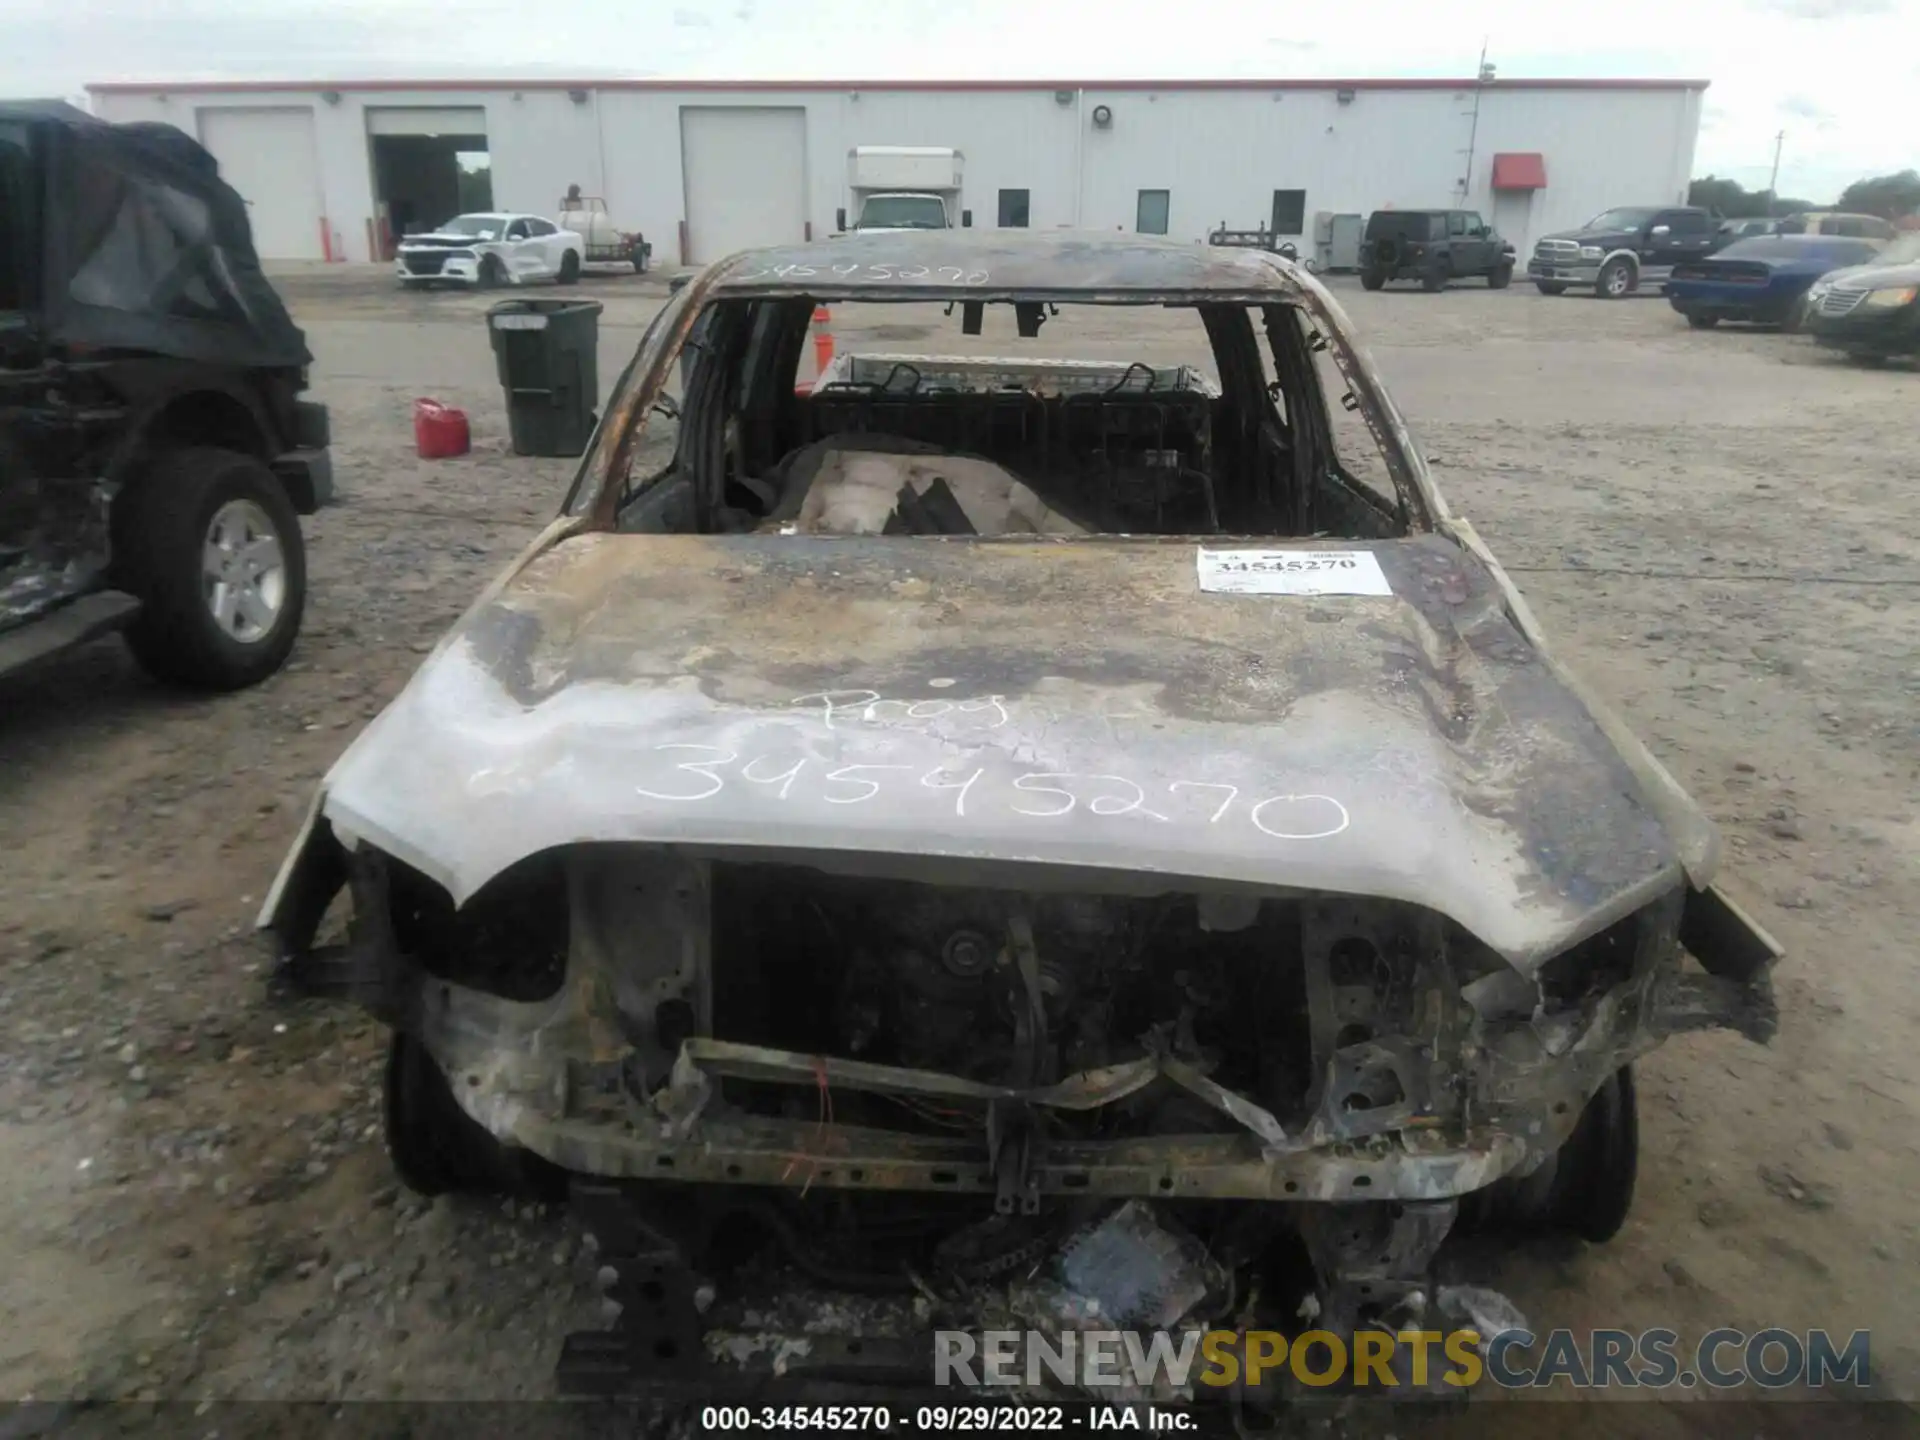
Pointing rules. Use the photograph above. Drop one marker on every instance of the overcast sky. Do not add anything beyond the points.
(1839, 76)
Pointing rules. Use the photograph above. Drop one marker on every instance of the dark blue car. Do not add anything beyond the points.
(1762, 279)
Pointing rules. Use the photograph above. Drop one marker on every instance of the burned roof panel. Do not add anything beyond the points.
(1089, 265)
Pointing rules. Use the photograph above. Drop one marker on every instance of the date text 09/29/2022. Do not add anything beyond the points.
(948, 1419)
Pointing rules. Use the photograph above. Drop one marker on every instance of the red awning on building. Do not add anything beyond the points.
(1520, 170)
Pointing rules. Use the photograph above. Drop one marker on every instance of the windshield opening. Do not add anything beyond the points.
(1138, 419)
(1904, 251)
(1631, 218)
(903, 212)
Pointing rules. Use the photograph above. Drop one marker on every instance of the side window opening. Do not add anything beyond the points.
(1456, 223)
(1350, 490)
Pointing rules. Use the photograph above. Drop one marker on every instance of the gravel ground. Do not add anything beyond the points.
(1720, 530)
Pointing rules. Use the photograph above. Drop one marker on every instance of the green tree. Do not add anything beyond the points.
(1733, 200)
(1728, 197)
(1889, 196)
(476, 188)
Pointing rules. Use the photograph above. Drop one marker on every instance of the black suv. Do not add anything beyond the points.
(155, 453)
(1617, 251)
(1433, 247)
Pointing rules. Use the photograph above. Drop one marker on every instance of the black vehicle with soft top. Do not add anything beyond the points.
(155, 451)
(1433, 247)
(1619, 250)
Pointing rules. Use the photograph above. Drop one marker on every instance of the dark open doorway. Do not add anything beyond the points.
(420, 181)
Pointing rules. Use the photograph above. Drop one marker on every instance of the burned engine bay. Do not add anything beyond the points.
(930, 1095)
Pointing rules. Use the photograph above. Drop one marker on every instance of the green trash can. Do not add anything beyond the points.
(547, 352)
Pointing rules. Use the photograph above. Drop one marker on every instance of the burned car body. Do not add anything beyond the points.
(1022, 794)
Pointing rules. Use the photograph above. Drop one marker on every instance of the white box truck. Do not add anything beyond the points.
(902, 187)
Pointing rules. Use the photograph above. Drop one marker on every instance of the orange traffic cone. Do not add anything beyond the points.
(822, 340)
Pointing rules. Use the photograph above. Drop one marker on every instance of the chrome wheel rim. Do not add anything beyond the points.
(243, 572)
(1617, 283)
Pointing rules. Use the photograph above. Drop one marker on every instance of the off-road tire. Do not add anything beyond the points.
(1372, 279)
(1386, 253)
(436, 1147)
(160, 525)
(1703, 322)
(1499, 277)
(1616, 280)
(1550, 287)
(569, 269)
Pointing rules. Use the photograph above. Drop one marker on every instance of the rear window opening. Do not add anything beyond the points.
(1406, 225)
(1008, 418)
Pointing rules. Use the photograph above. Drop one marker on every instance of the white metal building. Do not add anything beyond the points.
(333, 170)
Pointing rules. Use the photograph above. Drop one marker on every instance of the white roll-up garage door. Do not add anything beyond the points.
(746, 178)
(422, 120)
(270, 157)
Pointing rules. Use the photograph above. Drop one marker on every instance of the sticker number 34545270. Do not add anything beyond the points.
(1291, 572)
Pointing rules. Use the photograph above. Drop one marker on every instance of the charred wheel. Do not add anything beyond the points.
(1586, 1188)
(436, 1147)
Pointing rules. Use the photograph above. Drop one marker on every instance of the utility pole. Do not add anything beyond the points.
(1773, 180)
(1483, 76)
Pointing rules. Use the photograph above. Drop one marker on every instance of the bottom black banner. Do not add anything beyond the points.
(1358, 1418)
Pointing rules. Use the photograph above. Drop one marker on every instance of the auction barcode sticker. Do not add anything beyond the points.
(1291, 572)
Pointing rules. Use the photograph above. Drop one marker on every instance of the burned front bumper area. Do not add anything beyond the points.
(632, 1013)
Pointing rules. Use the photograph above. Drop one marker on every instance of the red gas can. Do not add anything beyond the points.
(439, 430)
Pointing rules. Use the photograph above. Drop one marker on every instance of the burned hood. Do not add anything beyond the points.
(1083, 705)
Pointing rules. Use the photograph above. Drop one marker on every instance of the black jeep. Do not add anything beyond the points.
(1433, 247)
(154, 452)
